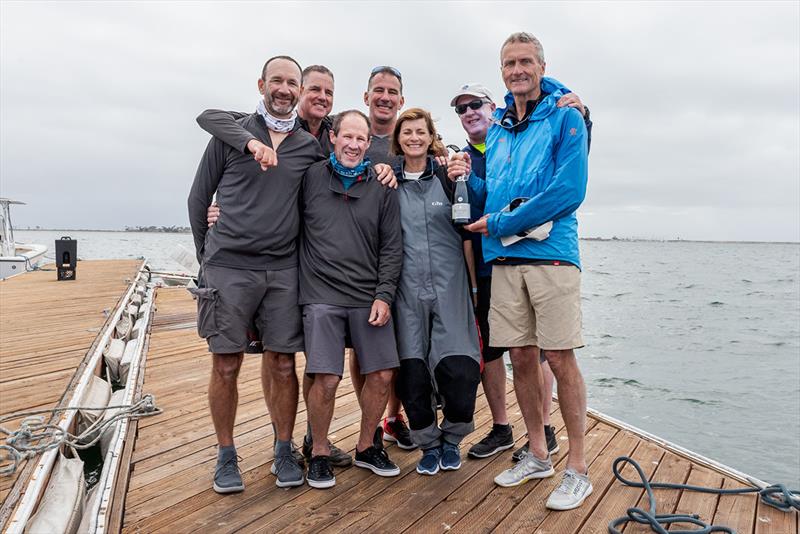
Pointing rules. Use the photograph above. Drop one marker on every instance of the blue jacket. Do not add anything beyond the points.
(546, 163)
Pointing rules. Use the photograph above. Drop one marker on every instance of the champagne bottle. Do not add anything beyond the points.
(461, 207)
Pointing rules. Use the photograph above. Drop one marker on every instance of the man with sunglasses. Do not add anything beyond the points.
(474, 106)
(537, 156)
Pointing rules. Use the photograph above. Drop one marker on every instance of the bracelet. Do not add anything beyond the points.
(474, 290)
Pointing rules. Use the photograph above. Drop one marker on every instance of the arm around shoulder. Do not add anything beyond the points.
(222, 125)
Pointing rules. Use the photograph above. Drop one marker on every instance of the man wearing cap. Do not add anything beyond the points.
(536, 177)
(474, 106)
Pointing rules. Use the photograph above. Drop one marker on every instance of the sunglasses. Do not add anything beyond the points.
(385, 68)
(475, 104)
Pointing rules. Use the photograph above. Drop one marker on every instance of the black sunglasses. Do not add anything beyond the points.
(385, 68)
(475, 104)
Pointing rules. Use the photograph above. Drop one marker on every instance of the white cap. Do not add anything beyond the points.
(471, 89)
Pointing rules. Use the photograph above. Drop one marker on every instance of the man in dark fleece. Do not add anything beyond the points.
(351, 252)
(248, 265)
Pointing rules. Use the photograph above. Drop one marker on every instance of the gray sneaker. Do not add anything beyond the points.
(227, 478)
(572, 491)
(528, 468)
(285, 467)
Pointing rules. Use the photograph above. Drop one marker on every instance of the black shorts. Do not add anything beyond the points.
(482, 314)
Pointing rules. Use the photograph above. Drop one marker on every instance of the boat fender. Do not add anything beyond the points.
(96, 395)
(64, 499)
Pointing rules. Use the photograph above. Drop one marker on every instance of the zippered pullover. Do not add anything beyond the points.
(260, 216)
(351, 249)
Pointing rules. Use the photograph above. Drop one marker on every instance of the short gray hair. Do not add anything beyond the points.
(524, 37)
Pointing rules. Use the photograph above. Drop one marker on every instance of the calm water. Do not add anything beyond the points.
(698, 343)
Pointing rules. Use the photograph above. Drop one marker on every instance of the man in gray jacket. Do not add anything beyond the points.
(248, 265)
(351, 252)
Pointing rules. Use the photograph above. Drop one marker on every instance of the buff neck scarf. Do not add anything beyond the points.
(346, 174)
(273, 123)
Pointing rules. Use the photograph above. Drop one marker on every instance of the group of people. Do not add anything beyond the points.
(334, 232)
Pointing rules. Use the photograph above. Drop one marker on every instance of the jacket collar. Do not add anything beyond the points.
(430, 169)
(356, 190)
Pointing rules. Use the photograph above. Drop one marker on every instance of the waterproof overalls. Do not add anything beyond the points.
(437, 339)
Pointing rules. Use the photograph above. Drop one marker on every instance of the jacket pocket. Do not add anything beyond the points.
(206, 310)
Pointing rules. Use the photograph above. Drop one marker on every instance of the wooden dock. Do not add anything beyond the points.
(172, 461)
(46, 329)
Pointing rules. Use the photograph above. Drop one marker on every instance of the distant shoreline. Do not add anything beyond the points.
(612, 239)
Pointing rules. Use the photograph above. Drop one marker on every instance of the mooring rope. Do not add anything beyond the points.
(777, 496)
(35, 436)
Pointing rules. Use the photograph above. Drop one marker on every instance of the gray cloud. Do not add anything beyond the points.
(696, 106)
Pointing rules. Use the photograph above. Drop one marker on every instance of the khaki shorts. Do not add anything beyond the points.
(536, 305)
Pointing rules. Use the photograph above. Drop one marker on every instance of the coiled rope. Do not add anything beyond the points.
(35, 436)
(777, 496)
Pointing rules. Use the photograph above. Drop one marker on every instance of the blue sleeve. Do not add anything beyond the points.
(566, 190)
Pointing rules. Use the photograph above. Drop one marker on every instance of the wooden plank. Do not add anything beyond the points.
(674, 469)
(770, 520)
(694, 502)
(737, 512)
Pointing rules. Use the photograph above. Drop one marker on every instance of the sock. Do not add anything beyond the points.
(391, 419)
(226, 452)
(501, 428)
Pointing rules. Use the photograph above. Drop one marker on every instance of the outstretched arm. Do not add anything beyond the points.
(222, 125)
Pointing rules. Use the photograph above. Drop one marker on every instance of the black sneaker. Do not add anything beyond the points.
(376, 460)
(398, 431)
(498, 439)
(550, 438)
(337, 458)
(320, 473)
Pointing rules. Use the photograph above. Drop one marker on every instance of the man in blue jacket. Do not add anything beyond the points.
(536, 174)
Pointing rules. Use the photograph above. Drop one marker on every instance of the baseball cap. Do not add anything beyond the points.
(471, 89)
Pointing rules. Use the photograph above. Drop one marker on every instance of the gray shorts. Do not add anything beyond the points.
(326, 327)
(230, 300)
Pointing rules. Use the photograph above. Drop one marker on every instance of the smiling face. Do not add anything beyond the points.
(476, 122)
(522, 70)
(414, 138)
(351, 143)
(316, 96)
(280, 87)
(384, 98)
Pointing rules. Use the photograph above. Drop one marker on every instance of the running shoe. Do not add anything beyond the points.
(285, 466)
(429, 463)
(451, 457)
(498, 439)
(398, 432)
(528, 468)
(227, 477)
(320, 473)
(572, 491)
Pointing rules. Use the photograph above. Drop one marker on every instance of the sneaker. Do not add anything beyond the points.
(297, 454)
(498, 439)
(285, 466)
(451, 457)
(550, 438)
(529, 467)
(320, 473)
(337, 458)
(398, 432)
(376, 459)
(227, 478)
(572, 491)
(429, 463)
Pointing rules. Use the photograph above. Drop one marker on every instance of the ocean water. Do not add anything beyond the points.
(698, 343)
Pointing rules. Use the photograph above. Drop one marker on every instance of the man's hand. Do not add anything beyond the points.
(380, 313)
(386, 175)
(459, 165)
(263, 154)
(212, 215)
(572, 100)
(481, 226)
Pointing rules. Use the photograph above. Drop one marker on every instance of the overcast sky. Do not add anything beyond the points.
(696, 106)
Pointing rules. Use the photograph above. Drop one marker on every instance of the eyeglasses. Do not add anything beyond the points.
(475, 104)
(385, 68)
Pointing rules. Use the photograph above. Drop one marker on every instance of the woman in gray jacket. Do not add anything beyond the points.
(437, 338)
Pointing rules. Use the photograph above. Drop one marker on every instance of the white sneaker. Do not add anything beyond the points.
(528, 468)
(571, 493)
